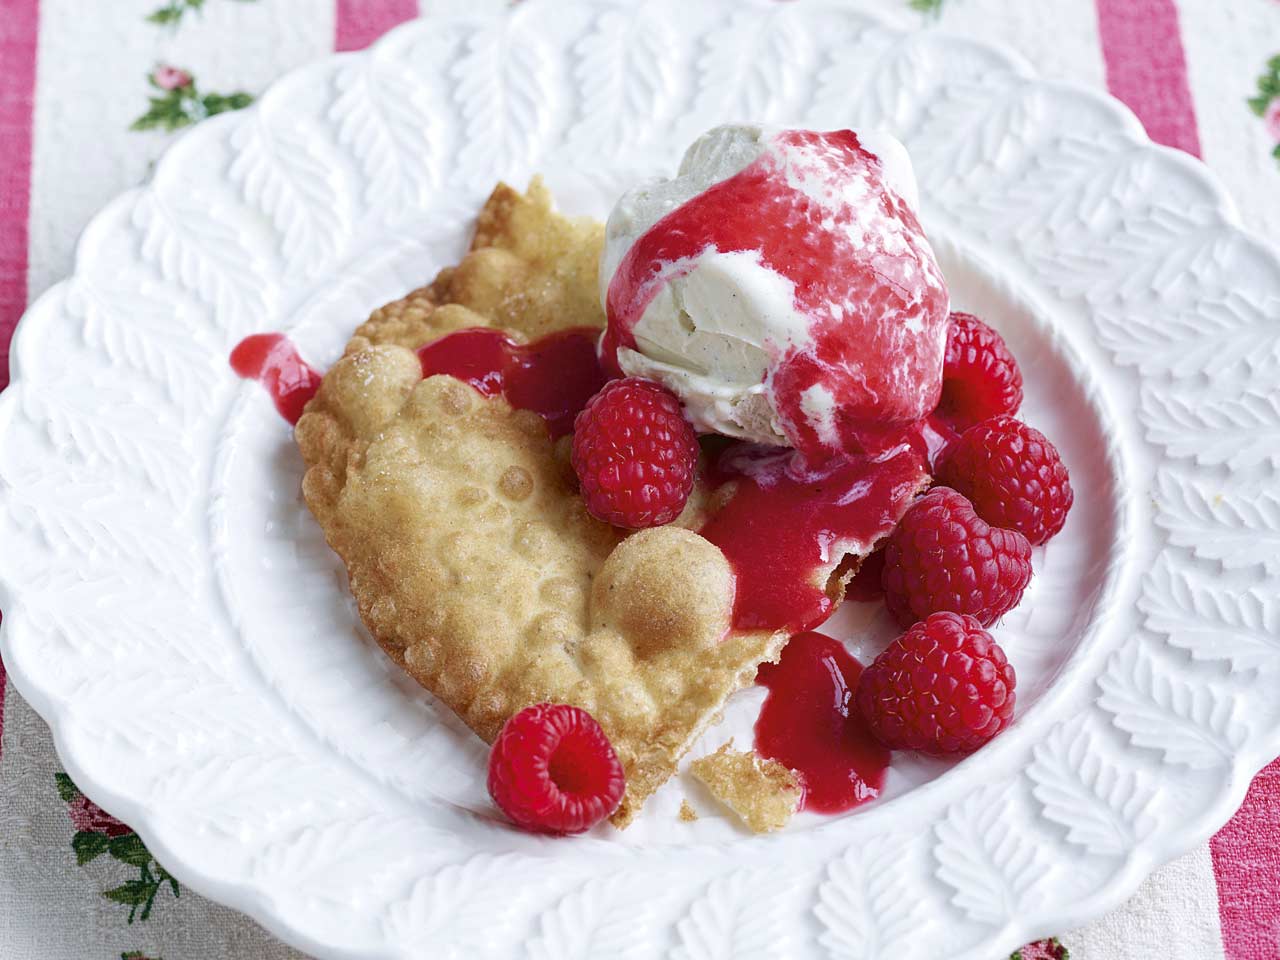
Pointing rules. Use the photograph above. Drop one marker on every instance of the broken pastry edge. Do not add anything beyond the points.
(630, 807)
(761, 792)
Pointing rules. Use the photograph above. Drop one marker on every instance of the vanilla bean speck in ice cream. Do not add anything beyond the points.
(782, 286)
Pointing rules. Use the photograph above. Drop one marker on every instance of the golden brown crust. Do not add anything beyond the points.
(469, 552)
(530, 270)
(687, 813)
(762, 792)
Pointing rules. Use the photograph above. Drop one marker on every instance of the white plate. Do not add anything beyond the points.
(171, 610)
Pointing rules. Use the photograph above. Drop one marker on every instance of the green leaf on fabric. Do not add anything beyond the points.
(171, 13)
(1259, 104)
(135, 894)
(215, 103)
(130, 849)
(926, 6)
(66, 789)
(89, 846)
(164, 113)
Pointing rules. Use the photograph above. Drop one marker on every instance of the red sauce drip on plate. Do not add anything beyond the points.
(785, 524)
(809, 723)
(853, 264)
(273, 360)
(553, 377)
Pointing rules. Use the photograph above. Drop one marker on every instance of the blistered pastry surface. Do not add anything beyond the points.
(468, 549)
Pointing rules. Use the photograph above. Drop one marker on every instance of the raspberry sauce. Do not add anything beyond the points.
(810, 724)
(554, 377)
(273, 360)
(815, 209)
(932, 437)
(784, 523)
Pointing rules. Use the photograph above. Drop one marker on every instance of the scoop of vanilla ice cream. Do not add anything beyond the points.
(721, 318)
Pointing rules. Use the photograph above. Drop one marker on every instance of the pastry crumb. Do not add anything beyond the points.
(763, 793)
(687, 813)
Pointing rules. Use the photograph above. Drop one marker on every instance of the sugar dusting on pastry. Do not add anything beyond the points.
(763, 793)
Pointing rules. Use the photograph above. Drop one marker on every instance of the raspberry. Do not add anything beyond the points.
(552, 770)
(980, 378)
(943, 556)
(635, 454)
(1012, 475)
(942, 687)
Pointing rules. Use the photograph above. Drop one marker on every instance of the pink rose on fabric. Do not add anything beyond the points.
(171, 78)
(88, 817)
(1272, 119)
(1044, 950)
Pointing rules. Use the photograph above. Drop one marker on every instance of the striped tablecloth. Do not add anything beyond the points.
(90, 93)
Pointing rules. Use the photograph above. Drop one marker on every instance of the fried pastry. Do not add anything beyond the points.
(472, 559)
(469, 551)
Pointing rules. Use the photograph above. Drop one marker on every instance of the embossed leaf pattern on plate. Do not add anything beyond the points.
(382, 116)
(279, 174)
(503, 91)
(1103, 806)
(755, 65)
(1238, 527)
(868, 904)
(451, 908)
(1240, 431)
(204, 257)
(743, 915)
(1212, 622)
(601, 918)
(1191, 724)
(985, 857)
(627, 76)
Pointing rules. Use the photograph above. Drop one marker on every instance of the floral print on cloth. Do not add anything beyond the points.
(173, 12)
(175, 101)
(1266, 103)
(1050, 949)
(98, 833)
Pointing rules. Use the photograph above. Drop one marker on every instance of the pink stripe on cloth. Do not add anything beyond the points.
(1147, 68)
(360, 22)
(18, 28)
(1246, 863)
